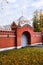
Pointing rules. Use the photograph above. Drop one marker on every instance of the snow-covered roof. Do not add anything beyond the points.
(7, 28)
(1, 28)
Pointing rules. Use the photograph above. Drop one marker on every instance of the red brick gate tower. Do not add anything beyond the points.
(27, 30)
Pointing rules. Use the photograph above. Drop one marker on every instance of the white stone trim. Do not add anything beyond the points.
(12, 36)
(36, 44)
(18, 47)
(3, 36)
(8, 48)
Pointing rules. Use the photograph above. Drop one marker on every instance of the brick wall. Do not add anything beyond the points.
(13, 38)
(7, 39)
(36, 37)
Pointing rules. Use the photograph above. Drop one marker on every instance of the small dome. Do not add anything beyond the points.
(22, 21)
(22, 18)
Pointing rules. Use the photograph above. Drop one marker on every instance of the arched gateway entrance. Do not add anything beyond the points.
(25, 39)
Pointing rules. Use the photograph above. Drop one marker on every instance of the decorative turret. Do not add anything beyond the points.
(13, 26)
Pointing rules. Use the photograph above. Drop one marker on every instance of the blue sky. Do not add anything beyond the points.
(10, 10)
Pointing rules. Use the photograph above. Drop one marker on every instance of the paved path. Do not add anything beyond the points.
(40, 45)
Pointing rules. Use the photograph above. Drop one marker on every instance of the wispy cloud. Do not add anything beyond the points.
(10, 0)
(12, 9)
(37, 4)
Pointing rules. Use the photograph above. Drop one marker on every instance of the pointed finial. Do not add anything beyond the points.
(22, 11)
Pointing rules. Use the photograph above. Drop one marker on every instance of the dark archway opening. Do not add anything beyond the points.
(26, 39)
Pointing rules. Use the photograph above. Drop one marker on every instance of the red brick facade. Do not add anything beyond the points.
(13, 38)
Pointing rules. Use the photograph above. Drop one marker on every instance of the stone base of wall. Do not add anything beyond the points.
(36, 44)
(9, 48)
